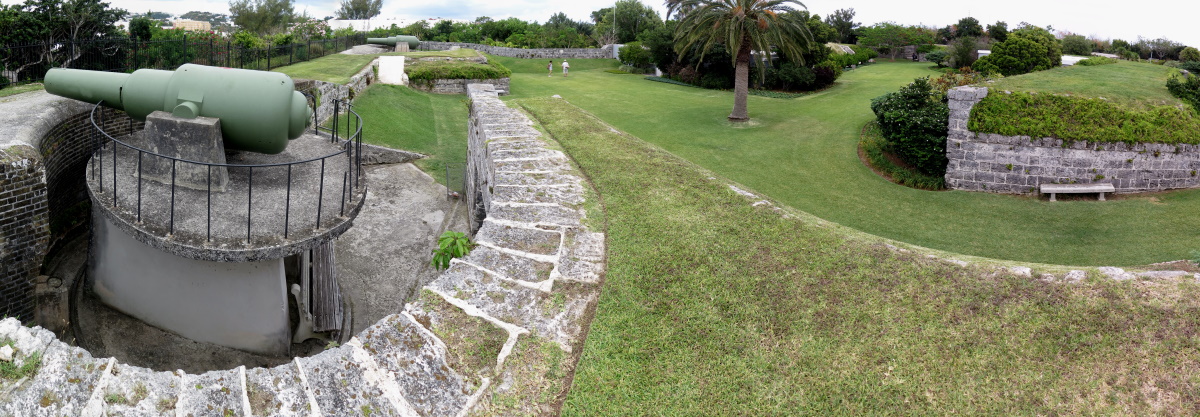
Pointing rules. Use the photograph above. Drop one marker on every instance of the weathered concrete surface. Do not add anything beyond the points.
(198, 139)
(384, 259)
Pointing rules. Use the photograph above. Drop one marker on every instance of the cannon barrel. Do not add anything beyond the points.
(412, 41)
(259, 111)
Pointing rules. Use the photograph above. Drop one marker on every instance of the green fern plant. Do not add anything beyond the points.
(451, 245)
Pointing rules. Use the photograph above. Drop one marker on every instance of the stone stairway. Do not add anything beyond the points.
(498, 333)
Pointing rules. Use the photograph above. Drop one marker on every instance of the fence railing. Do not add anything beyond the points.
(310, 187)
(26, 63)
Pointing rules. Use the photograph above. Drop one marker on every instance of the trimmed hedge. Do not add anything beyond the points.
(1081, 119)
(455, 70)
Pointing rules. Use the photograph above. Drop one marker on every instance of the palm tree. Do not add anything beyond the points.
(741, 26)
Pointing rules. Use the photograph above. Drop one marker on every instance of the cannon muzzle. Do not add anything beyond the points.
(412, 41)
(259, 111)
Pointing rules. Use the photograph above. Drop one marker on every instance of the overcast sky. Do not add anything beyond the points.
(1173, 19)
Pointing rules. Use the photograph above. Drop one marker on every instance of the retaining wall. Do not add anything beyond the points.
(549, 53)
(448, 86)
(323, 90)
(498, 333)
(1020, 164)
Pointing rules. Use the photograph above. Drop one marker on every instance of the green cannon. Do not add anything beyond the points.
(412, 41)
(259, 111)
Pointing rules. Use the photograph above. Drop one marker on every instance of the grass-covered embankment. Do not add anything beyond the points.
(401, 118)
(1132, 84)
(712, 306)
(803, 152)
(1082, 119)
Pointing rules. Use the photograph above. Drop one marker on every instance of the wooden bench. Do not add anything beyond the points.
(1053, 189)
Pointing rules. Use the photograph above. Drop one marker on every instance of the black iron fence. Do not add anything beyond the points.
(26, 63)
(331, 184)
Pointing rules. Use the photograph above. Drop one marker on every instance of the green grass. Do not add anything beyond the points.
(401, 118)
(712, 306)
(334, 68)
(1129, 83)
(803, 153)
(23, 88)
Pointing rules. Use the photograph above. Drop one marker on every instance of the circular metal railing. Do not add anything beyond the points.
(345, 134)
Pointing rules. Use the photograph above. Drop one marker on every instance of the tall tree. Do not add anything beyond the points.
(261, 16)
(968, 26)
(742, 26)
(629, 19)
(998, 32)
(843, 22)
(359, 9)
(49, 23)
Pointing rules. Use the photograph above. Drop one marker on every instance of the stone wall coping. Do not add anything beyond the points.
(28, 116)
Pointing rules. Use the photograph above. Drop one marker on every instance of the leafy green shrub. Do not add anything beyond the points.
(283, 39)
(874, 149)
(1192, 66)
(861, 55)
(1077, 45)
(248, 40)
(937, 57)
(451, 245)
(1099, 60)
(962, 52)
(1187, 90)
(1081, 119)
(1189, 54)
(913, 121)
(634, 55)
(455, 70)
(1027, 49)
(825, 74)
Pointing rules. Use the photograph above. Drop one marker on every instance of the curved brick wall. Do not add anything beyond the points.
(483, 338)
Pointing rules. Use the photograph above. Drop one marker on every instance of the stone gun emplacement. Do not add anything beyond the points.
(259, 111)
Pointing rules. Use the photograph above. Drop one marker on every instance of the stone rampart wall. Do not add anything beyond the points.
(448, 86)
(1020, 164)
(481, 339)
(324, 90)
(548, 53)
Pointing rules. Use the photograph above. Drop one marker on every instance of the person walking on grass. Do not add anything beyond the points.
(550, 69)
(565, 66)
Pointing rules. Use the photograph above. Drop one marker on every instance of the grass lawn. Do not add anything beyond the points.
(23, 88)
(802, 152)
(334, 68)
(1130, 83)
(401, 118)
(712, 306)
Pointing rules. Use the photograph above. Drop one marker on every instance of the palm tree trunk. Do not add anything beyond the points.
(741, 84)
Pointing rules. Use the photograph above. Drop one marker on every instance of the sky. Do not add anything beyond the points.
(1106, 19)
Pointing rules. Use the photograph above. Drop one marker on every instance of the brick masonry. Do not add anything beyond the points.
(548, 53)
(1020, 164)
(24, 228)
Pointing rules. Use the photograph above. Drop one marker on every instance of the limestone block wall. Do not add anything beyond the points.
(549, 53)
(448, 86)
(1019, 164)
(498, 333)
